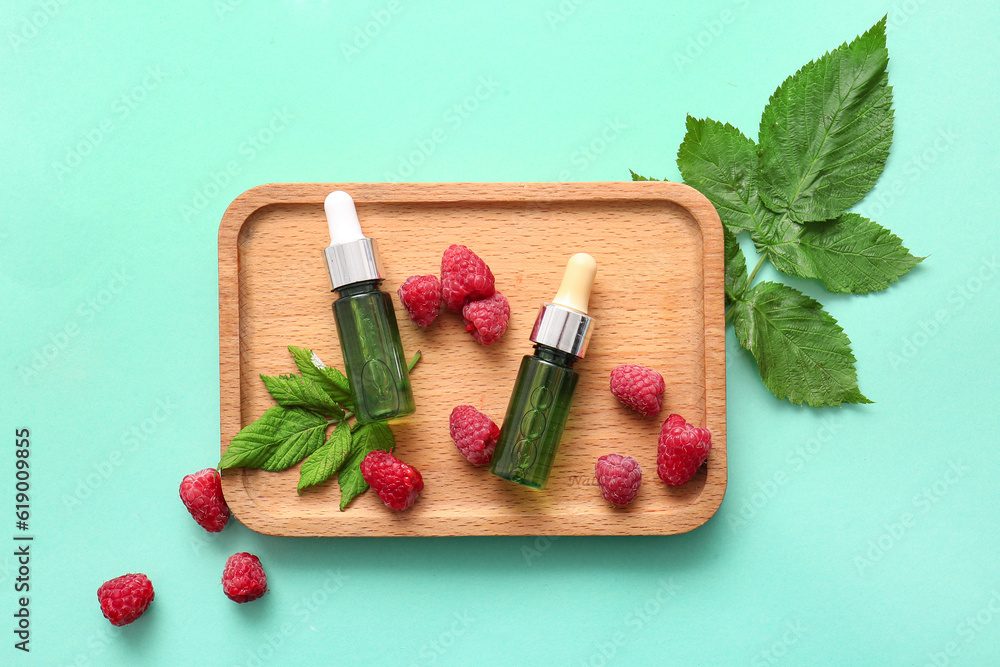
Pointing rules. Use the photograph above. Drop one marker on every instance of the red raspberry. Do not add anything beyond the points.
(682, 450)
(421, 296)
(396, 483)
(474, 434)
(202, 495)
(244, 580)
(638, 387)
(486, 319)
(464, 277)
(125, 598)
(619, 478)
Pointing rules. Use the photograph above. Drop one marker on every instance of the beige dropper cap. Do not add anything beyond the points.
(564, 324)
(574, 291)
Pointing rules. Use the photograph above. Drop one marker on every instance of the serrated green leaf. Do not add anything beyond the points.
(296, 391)
(736, 267)
(328, 459)
(637, 177)
(721, 163)
(280, 438)
(850, 254)
(826, 131)
(367, 437)
(802, 353)
(333, 382)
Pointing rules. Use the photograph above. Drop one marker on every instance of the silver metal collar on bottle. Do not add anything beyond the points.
(353, 262)
(562, 328)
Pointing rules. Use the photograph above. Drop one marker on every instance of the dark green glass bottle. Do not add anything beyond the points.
(366, 321)
(543, 392)
(536, 415)
(373, 352)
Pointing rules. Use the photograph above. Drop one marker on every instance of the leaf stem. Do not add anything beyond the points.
(413, 361)
(347, 415)
(753, 274)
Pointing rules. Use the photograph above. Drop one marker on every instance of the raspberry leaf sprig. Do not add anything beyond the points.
(296, 429)
(823, 141)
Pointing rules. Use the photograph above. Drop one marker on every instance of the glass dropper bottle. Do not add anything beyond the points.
(540, 401)
(366, 320)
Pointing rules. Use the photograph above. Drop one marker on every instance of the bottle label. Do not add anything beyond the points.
(378, 389)
(531, 429)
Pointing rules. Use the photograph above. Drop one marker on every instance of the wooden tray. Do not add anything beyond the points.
(657, 301)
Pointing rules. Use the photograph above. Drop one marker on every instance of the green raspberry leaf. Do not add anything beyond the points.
(331, 380)
(280, 438)
(826, 131)
(296, 391)
(328, 459)
(849, 254)
(637, 177)
(367, 437)
(736, 267)
(722, 164)
(802, 353)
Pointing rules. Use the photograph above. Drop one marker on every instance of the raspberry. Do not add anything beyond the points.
(243, 580)
(421, 296)
(474, 434)
(682, 450)
(396, 483)
(486, 319)
(125, 598)
(619, 478)
(202, 495)
(638, 387)
(464, 277)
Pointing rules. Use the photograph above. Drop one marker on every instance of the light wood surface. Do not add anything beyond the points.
(657, 301)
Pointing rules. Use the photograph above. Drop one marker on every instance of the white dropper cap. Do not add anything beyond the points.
(351, 257)
(342, 217)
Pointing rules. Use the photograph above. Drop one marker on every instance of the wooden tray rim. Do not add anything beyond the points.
(253, 200)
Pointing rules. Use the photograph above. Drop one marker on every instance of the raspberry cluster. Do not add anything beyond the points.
(681, 450)
(466, 286)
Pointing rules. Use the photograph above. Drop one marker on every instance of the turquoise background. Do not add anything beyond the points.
(862, 535)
